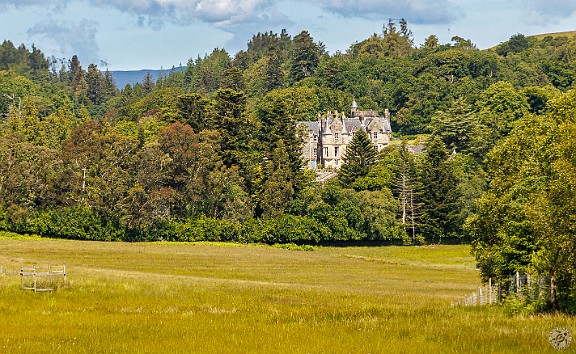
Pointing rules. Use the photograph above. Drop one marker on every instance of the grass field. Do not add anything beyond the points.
(228, 298)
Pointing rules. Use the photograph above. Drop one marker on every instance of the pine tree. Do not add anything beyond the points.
(148, 83)
(360, 156)
(78, 83)
(456, 126)
(405, 186)
(95, 83)
(305, 57)
(440, 195)
(278, 188)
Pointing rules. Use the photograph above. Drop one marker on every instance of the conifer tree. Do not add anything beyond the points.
(305, 57)
(95, 83)
(405, 186)
(359, 158)
(148, 83)
(278, 188)
(440, 196)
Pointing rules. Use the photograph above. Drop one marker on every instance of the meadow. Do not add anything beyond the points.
(233, 298)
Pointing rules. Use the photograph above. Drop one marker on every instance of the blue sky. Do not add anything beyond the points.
(150, 34)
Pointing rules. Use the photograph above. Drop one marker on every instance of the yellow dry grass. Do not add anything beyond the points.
(229, 298)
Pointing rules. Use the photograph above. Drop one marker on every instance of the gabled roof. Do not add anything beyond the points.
(350, 125)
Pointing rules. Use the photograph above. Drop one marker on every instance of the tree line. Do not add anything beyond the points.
(211, 152)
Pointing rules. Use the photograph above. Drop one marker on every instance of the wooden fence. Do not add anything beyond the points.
(42, 278)
(38, 277)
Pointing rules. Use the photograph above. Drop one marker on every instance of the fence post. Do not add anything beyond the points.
(539, 286)
(34, 275)
(481, 295)
(490, 291)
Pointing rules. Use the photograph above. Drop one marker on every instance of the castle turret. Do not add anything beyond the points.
(353, 108)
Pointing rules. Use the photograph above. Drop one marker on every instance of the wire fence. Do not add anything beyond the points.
(523, 286)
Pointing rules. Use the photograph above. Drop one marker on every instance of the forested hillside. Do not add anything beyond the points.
(211, 152)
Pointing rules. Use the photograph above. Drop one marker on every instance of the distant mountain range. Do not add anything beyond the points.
(132, 77)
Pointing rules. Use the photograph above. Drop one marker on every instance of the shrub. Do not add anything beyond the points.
(4, 220)
(202, 229)
(286, 229)
(79, 223)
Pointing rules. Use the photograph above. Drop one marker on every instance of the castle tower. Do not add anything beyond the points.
(353, 108)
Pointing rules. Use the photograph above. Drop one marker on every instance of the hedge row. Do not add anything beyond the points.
(84, 224)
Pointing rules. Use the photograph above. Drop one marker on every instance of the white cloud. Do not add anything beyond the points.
(242, 31)
(550, 11)
(70, 38)
(18, 4)
(230, 11)
(414, 11)
(219, 12)
(225, 13)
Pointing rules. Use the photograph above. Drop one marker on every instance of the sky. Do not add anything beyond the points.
(155, 34)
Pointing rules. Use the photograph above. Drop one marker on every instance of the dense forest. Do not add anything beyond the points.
(211, 152)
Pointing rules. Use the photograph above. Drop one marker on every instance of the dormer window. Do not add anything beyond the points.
(375, 135)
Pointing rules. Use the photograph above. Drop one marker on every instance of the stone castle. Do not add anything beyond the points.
(325, 140)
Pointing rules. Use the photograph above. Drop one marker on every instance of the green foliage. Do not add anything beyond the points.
(205, 75)
(538, 97)
(516, 44)
(359, 158)
(278, 113)
(524, 221)
(4, 220)
(304, 58)
(278, 185)
(210, 152)
(294, 247)
(392, 43)
(457, 127)
(202, 229)
(439, 195)
(286, 229)
(77, 223)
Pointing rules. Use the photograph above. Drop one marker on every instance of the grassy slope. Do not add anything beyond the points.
(556, 34)
(231, 298)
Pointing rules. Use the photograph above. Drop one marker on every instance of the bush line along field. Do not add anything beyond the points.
(232, 298)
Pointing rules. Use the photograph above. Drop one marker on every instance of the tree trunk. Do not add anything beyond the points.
(553, 281)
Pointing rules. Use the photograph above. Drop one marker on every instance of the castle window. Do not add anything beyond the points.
(375, 135)
(315, 151)
(336, 151)
(336, 136)
(325, 152)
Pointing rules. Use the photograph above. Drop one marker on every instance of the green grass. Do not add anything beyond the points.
(556, 34)
(230, 298)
